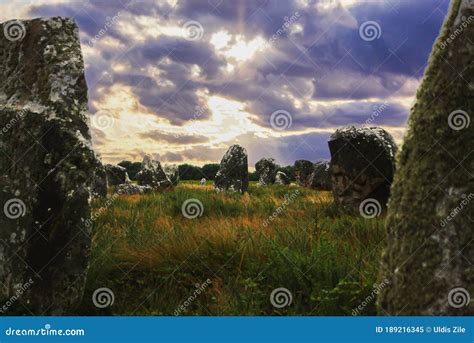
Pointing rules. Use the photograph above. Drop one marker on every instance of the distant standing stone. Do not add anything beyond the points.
(152, 174)
(203, 181)
(281, 178)
(266, 168)
(303, 171)
(46, 167)
(172, 172)
(233, 175)
(116, 175)
(320, 177)
(362, 165)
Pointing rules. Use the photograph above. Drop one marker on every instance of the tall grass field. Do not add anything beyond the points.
(233, 255)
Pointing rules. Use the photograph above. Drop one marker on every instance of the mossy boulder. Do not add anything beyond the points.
(320, 177)
(303, 171)
(362, 165)
(430, 252)
(116, 174)
(233, 174)
(46, 167)
(152, 174)
(266, 169)
(281, 178)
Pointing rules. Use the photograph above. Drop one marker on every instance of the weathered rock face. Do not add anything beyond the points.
(116, 175)
(428, 261)
(303, 171)
(233, 174)
(100, 184)
(281, 178)
(172, 172)
(320, 177)
(152, 174)
(266, 168)
(46, 166)
(362, 165)
(130, 188)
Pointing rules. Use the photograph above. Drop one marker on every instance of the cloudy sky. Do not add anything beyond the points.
(183, 80)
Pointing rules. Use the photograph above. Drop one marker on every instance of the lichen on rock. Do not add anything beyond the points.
(429, 248)
(46, 167)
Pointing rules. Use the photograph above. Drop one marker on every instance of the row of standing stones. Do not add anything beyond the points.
(49, 170)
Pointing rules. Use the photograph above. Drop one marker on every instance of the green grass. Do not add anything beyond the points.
(152, 257)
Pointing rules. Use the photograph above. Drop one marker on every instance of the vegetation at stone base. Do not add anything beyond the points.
(152, 257)
(191, 172)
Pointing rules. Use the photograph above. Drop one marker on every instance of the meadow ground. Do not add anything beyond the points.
(154, 259)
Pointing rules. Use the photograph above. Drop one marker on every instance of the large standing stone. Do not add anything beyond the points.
(46, 167)
(362, 165)
(320, 177)
(281, 178)
(116, 174)
(266, 169)
(233, 174)
(99, 186)
(429, 258)
(303, 171)
(152, 174)
(172, 172)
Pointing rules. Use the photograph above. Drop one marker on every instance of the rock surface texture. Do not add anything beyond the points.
(152, 174)
(172, 172)
(233, 174)
(362, 165)
(100, 184)
(130, 189)
(428, 260)
(116, 175)
(281, 178)
(321, 177)
(46, 166)
(266, 169)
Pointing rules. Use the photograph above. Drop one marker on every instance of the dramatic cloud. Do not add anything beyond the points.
(185, 79)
